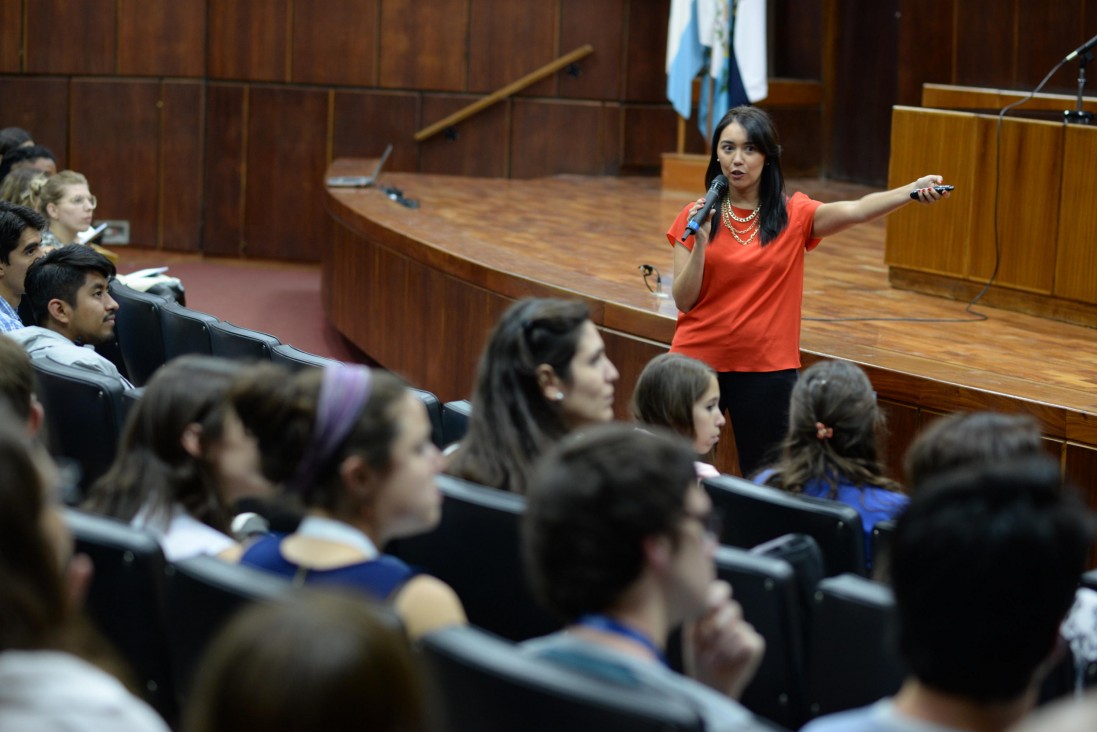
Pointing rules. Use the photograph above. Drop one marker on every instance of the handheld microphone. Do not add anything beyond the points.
(1084, 48)
(715, 191)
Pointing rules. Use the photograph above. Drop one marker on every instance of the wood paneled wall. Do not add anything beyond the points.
(209, 125)
(203, 123)
(881, 52)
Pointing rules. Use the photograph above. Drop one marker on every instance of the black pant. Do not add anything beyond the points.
(757, 405)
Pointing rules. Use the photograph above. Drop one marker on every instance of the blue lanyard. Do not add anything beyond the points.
(607, 624)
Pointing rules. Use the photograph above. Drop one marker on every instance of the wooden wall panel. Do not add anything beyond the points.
(248, 39)
(795, 29)
(508, 40)
(223, 175)
(650, 132)
(40, 105)
(646, 52)
(480, 148)
(161, 38)
(181, 152)
(920, 20)
(869, 34)
(1033, 187)
(336, 42)
(1037, 51)
(11, 36)
(115, 143)
(1076, 257)
(554, 137)
(284, 214)
(88, 46)
(984, 48)
(1080, 469)
(418, 51)
(601, 23)
(367, 121)
(801, 141)
(917, 235)
(612, 147)
(903, 424)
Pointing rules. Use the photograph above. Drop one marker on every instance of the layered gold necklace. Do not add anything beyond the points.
(752, 221)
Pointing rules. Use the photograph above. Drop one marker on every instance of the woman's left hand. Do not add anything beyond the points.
(926, 192)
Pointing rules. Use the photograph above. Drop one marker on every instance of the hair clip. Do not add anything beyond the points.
(823, 432)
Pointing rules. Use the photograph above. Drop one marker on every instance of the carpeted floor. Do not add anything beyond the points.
(279, 298)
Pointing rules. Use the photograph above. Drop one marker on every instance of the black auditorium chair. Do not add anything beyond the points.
(84, 412)
(768, 589)
(485, 684)
(140, 336)
(853, 658)
(754, 514)
(202, 594)
(475, 550)
(185, 331)
(434, 412)
(295, 359)
(455, 420)
(881, 537)
(125, 600)
(232, 341)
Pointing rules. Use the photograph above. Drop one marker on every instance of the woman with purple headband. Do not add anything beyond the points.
(353, 447)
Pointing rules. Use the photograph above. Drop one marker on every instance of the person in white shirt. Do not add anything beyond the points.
(184, 461)
(67, 290)
(45, 684)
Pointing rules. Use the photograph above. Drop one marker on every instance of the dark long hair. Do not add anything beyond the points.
(152, 470)
(771, 189)
(33, 611)
(512, 423)
(838, 395)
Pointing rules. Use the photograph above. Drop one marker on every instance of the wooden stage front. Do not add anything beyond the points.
(418, 289)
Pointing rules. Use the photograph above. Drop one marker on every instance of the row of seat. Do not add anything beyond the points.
(474, 550)
(85, 411)
(160, 616)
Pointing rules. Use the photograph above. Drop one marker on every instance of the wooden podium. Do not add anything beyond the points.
(1046, 175)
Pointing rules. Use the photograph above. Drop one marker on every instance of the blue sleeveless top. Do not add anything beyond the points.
(380, 577)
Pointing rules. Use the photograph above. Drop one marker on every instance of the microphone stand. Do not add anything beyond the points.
(1079, 116)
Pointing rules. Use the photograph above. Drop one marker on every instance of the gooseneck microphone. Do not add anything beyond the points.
(1084, 48)
(715, 192)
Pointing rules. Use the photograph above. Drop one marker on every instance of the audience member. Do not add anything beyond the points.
(20, 245)
(17, 385)
(28, 156)
(681, 394)
(984, 566)
(353, 447)
(45, 681)
(831, 449)
(12, 138)
(67, 289)
(970, 439)
(23, 187)
(543, 373)
(1067, 715)
(619, 542)
(315, 661)
(184, 460)
(68, 204)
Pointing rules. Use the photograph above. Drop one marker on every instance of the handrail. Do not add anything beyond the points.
(510, 89)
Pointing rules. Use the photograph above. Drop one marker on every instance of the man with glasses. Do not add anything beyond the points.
(619, 541)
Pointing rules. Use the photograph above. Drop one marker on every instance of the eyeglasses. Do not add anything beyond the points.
(81, 200)
(712, 523)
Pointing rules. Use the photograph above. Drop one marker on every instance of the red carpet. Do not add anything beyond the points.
(279, 298)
